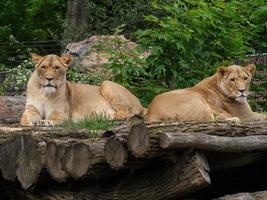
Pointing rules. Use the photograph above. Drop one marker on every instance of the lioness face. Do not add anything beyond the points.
(234, 81)
(51, 70)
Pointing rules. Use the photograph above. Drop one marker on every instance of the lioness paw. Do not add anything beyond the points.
(46, 123)
(233, 119)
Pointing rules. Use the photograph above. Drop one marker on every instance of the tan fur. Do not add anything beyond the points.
(61, 100)
(216, 97)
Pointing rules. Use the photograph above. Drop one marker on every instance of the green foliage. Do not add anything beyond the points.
(195, 37)
(187, 42)
(258, 98)
(129, 68)
(76, 76)
(256, 12)
(107, 17)
(16, 78)
(92, 123)
(31, 19)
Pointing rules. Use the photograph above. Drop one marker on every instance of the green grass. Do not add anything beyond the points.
(91, 123)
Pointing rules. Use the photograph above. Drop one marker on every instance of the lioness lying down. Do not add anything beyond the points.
(51, 99)
(221, 96)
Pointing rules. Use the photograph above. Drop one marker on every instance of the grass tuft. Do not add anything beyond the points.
(91, 123)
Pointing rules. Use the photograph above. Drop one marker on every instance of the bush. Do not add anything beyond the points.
(107, 17)
(16, 78)
(194, 38)
(187, 42)
(258, 97)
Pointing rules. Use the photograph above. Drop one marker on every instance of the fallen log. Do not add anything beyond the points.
(143, 139)
(163, 181)
(213, 143)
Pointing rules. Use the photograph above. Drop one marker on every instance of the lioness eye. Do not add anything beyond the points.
(43, 67)
(245, 78)
(56, 67)
(232, 79)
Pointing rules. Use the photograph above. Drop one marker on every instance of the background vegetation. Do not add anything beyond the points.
(186, 39)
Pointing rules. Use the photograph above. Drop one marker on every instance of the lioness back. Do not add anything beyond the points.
(173, 106)
(86, 100)
(221, 96)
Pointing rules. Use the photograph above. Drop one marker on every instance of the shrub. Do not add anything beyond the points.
(193, 38)
(258, 98)
(16, 78)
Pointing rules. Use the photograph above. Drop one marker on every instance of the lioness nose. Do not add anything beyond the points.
(48, 78)
(241, 91)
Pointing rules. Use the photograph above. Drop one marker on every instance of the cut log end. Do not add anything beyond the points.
(138, 140)
(115, 153)
(54, 157)
(77, 160)
(164, 140)
(21, 159)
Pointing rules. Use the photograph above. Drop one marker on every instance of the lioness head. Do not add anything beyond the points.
(51, 70)
(234, 81)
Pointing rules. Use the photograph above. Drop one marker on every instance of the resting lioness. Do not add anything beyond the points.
(51, 99)
(221, 96)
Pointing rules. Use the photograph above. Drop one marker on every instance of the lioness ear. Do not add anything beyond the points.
(251, 68)
(67, 58)
(35, 58)
(222, 71)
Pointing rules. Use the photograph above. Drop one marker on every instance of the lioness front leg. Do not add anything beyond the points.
(222, 115)
(253, 116)
(55, 118)
(30, 116)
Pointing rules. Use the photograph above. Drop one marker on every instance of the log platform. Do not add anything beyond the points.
(133, 160)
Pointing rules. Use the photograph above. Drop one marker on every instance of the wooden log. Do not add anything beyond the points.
(162, 181)
(118, 156)
(11, 109)
(260, 195)
(115, 151)
(219, 128)
(143, 139)
(213, 143)
(21, 159)
(63, 153)
(138, 140)
(143, 143)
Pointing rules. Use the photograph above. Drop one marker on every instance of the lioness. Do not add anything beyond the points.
(51, 99)
(221, 96)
